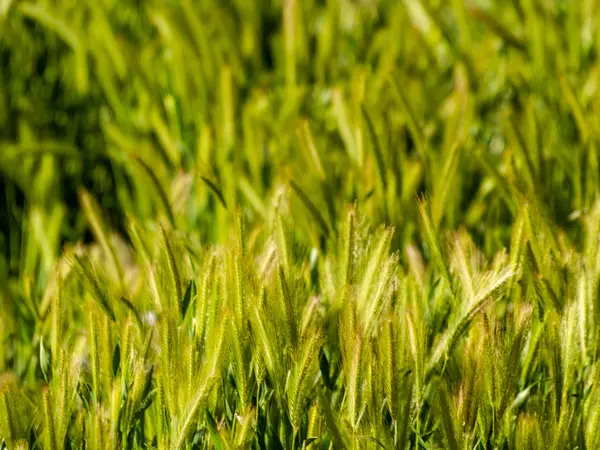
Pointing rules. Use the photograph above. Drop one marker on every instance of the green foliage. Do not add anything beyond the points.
(299, 224)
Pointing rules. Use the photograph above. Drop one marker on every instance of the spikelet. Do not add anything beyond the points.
(168, 361)
(287, 309)
(94, 356)
(191, 412)
(173, 269)
(265, 340)
(348, 269)
(57, 309)
(49, 427)
(160, 416)
(218, 345)
(304, 372)
(239, 362)
(204, 299)
(389, 365)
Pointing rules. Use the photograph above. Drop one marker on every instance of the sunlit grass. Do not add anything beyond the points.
(299, 224)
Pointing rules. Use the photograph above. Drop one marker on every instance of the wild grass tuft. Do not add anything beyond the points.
(299, 224)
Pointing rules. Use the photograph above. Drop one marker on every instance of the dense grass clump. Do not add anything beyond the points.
(299, 224)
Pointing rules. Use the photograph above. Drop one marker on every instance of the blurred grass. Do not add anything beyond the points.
(464, 100)
(186, 112)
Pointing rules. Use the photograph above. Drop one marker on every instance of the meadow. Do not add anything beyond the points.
(299, 224)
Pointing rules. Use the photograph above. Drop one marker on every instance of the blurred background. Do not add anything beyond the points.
(186, 109)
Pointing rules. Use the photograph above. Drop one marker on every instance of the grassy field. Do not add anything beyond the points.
(299, 224)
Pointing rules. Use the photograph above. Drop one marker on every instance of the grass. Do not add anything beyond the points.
(299, 224)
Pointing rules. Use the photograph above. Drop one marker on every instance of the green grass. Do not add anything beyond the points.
(299, 224)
